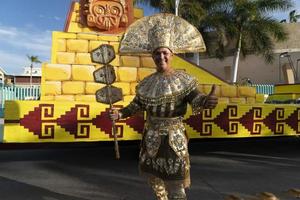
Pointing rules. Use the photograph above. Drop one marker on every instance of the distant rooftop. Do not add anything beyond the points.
(36, 71)
(2, 70)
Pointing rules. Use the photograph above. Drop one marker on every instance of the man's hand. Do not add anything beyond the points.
(114, 114)
(211, 98)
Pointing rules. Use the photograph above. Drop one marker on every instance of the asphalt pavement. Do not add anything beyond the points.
(88, 171)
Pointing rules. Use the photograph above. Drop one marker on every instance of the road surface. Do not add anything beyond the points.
(88, 171)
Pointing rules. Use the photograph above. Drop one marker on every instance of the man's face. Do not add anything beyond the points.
(162, 58)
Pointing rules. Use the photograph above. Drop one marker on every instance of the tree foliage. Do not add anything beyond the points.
(293, 16)
(33, 59)
(222, 21)
(251, 19)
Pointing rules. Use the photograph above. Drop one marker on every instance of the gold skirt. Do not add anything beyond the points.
(164, 150)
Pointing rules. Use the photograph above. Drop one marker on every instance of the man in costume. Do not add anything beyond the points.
(164, 95)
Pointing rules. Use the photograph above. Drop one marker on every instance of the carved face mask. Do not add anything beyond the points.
(105, 15)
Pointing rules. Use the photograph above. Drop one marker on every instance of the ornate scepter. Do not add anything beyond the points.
(109, 94)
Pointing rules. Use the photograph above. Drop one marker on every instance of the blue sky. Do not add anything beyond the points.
(26, 27)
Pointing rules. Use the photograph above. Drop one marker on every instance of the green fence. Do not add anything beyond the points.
(18, 93)
(264, 88)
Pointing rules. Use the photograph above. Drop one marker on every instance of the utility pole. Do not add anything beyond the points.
(176, 6)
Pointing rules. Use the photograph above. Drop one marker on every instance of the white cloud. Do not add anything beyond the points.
(57, 18)
(12, 63)
(16, 43)
(10, 33)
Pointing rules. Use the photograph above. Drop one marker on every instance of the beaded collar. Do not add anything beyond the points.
(159, 88)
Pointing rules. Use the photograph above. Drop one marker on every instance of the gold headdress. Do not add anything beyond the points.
(161, 30)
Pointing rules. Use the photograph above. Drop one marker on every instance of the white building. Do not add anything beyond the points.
(2, 76)
(285, 65)
(36, 71)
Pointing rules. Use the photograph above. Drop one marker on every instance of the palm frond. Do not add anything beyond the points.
(273, 5)
(34, 59)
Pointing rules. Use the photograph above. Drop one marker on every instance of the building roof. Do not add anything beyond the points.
(2, 70)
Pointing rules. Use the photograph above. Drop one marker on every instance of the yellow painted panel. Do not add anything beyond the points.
(75, 27)
(127, 74)
(61, 45)
(52, 87)
(87, 36)
(83, 72)
(85, 98)
(128, 98)
(48, 98)
(207, 89)
(144, 72)
(223, 100)
(54, 51)
(74, 17)
(95, 44)
(67, 121)
(130, 61)
(295, 88)
(57, 72)
(109, 38)
(97, 66)
(202, 75)
(259, 98)
(64, 98)
(116, 46)
(76, 6)
(238, 100)
(147, 61)
(92, 87)
(54, 113)
(43, 79)
(73, 87)
(132, 87)
(283, 97)
(65, 58)
(81, 46)
(250, 100)
(201, 88)
(87, 30)
(12, 110)
(124, 86)
(83, 58)
(245, 91)
(115, 62)
(228, 91)
(120, 37)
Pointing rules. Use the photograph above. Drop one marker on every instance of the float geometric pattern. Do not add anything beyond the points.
(32, 121)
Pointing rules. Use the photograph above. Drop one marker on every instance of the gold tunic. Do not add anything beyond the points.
(164, 146)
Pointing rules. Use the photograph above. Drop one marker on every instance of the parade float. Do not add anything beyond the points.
(68, 111)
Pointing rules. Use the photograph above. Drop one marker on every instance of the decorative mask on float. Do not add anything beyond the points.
(106, 15)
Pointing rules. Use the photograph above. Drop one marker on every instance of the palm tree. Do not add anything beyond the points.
(253, 29)
(282, 21)
(293, 16)
(193, 7)
(244, 22)
(33, 59)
